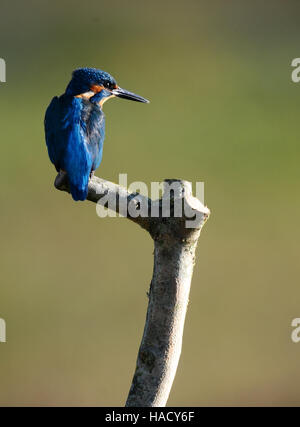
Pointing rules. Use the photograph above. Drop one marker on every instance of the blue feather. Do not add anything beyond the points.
(74, 130)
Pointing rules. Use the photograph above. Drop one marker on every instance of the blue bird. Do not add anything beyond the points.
(75, 126)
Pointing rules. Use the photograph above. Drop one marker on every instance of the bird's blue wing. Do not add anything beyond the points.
(55, 143)
(67, 143)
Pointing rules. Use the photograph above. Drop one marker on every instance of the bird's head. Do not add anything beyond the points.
(97, 86)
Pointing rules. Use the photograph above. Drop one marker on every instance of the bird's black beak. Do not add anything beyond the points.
(122, 93)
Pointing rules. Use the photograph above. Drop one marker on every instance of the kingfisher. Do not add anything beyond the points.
(75, 126)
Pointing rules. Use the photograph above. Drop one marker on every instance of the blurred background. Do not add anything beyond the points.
(224, 111)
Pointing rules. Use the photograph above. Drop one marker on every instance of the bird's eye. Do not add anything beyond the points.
(108, 84)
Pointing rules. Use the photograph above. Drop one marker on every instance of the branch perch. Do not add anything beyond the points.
(174, 258)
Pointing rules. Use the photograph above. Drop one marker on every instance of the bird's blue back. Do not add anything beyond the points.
(75, 130)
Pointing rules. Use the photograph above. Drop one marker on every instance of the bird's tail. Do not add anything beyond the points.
(79, 175)
(78, 193)
(78, 164)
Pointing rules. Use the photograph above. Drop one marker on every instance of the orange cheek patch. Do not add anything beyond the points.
(97, 88)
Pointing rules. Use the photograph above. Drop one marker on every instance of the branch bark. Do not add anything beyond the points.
(174, 258)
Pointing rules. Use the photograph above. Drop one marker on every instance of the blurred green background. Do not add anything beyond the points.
(224, 111)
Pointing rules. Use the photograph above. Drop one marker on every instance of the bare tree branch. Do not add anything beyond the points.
(174, 258)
